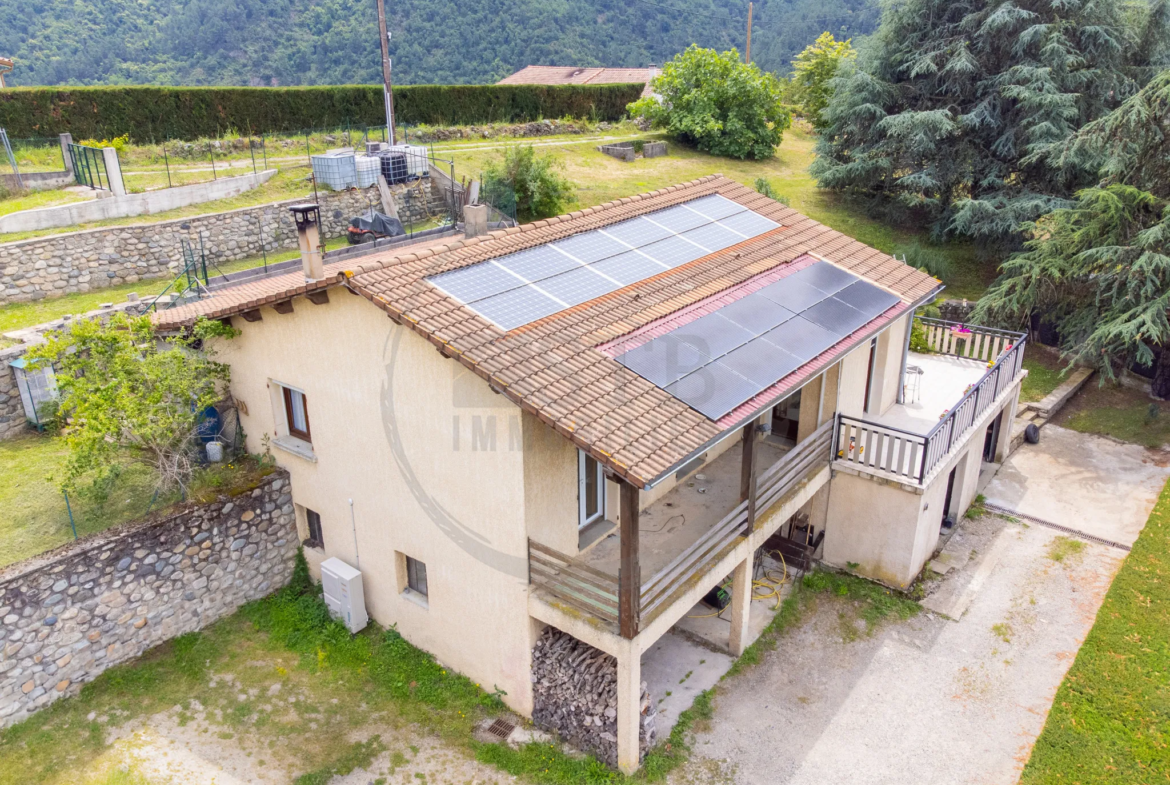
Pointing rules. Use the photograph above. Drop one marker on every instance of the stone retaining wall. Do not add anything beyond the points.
(12, 419)
(94, 259)
(67, 615)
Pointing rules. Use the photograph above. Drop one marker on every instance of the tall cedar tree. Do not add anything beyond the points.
(953, 107)
(1099, 271)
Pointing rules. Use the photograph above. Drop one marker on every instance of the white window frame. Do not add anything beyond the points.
(582, 519)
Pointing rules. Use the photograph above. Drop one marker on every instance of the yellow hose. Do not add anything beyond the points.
(762, 588)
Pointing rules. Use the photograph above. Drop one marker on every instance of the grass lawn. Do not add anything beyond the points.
(33, 514)
(600, 178)
(1124, 414)
(31, 200)
(1045, 372)
(20, 315)
(1110, 722)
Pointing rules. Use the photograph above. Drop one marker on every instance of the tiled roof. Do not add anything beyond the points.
(560, 74)
(553, 367)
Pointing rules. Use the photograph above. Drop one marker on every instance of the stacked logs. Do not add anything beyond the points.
(575, 696)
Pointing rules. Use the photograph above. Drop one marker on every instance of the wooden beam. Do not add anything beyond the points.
(319, 297)
(630, 574)
(283, 307)
(747, 476)
(252, 316)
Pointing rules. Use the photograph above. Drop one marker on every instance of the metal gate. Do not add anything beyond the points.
(89, 167)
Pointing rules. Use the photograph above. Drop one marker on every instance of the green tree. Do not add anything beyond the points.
(126, 396)
(951, 110)
(540, 191)
(1099, 271)
(718, 104)
(813, 71)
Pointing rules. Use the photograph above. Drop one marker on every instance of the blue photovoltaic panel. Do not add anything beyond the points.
(714, 390)
(518, 306)
(793, 295)
(824, 276)
(637, 232)
(663, 360)
(673, 251)
(749, 224)
(476, 282)
(678, 219)
(577, 286)
(836, 317)
(713, 335)
(755, 314)
(867, 298)
(801, 338)
(761, 361)
(590, 247)
(536, 263)
(713, 237)
(629, 267)
(716, 206)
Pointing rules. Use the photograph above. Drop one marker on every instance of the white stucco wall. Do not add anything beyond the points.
(408, 436)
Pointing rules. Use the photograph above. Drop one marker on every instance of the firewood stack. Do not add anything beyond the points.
(575, 696)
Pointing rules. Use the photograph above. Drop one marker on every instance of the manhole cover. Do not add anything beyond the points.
(501, 729)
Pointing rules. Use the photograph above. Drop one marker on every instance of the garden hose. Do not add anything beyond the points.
(763, 588)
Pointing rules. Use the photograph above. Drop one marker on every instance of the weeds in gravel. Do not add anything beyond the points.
(356, 756)
(1065, 548)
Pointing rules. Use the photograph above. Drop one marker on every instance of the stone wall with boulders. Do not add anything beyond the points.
(12, 419)
(575, 696)
(63, 264)
(67, 615)
(955, 310)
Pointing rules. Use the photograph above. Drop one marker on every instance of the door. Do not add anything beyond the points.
(950, 495)
(991, 439)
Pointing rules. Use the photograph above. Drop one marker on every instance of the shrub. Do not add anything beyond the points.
(764, 186)
(153, 113)
(718, 104)
(540, 190)
(814, 69)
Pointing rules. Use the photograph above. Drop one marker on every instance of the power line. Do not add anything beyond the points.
(681, 12)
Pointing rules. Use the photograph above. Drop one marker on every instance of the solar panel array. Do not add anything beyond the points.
(720, 360)
(520, 288)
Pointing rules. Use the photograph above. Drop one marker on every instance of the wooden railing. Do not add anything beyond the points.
(914, 456)
(771, 486)
(577, 585)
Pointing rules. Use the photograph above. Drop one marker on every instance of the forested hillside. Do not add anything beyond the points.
(279, 42)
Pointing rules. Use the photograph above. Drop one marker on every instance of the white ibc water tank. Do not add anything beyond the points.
(343, 593)
(416, 158)
(368, 167)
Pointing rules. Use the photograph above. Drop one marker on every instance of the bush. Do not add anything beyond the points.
(764, 186)
(540, 190)
(153, 113)
(718, 104)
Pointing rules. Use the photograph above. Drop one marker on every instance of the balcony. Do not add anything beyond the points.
(946, 391)
(683, 536)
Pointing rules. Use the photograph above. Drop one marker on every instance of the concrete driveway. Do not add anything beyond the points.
(933, 699)
(1088, 483)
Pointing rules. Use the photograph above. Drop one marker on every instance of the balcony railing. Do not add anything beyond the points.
(596, 593)
(912, 456)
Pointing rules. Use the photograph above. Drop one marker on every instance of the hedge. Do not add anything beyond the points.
(153, 113)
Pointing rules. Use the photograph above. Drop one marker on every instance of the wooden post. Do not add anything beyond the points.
(747, 477)
(630, 573)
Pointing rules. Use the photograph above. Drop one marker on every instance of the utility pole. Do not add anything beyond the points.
(387, 82)
(748, 55)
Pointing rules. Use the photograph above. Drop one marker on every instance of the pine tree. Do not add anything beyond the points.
(1099, 271)
(953, 108)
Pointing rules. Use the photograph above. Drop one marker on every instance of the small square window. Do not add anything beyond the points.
(416, 576)
(316, 539)
(296, 410)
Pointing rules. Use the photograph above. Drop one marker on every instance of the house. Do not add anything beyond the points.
(6, 67)
(590, 422)
(559, 75)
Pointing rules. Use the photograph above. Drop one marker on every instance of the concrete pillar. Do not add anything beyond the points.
(66, 140)
(475, 220)
(113, 171)
(741, 604)
(629, 708)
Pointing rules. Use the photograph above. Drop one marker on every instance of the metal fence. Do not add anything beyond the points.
(89, 167)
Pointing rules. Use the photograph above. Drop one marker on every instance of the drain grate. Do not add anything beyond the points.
(501, 729)
(1041, 522)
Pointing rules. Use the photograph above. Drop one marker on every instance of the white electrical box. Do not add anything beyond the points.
(343, 593)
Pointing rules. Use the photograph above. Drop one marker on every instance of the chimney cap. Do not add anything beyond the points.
(306, 214)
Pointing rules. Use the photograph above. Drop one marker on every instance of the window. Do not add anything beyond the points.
(416, 576)
(296, 410)
(590, 490)
(316, 540)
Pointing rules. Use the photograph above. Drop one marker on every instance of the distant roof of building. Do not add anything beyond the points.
(567, 365)
(561, 74)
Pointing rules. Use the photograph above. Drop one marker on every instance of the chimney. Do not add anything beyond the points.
(475, 220)
(308, 217)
